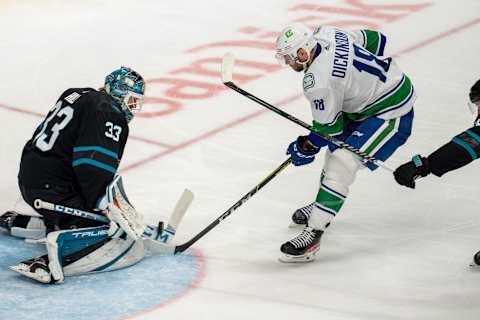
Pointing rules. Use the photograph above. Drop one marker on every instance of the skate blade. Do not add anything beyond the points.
(308, 257)
(474, 266)
(294, 225)
(40, 275)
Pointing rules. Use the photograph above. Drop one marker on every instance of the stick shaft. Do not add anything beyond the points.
(186, 245)
(282, 113)
(39, 204)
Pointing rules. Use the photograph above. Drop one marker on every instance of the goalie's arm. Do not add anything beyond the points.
(98, 150)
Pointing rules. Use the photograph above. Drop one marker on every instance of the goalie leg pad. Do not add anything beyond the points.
(87, 250)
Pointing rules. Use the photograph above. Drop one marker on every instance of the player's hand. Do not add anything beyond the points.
(408, 172)
(302, 151)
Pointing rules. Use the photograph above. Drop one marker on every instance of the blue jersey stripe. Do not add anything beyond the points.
(463, 144)
(398, 106)
(338, 194)
(96, 148)
(383, 42)
(333, 213)
(399, 84)
(474, 135)
(94, 163)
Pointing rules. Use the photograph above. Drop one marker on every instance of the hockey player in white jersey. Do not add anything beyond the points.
(356, 95)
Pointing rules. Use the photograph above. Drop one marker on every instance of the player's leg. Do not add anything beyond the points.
(81, 251)
(339, 173)
(380, 138)
(374, 136)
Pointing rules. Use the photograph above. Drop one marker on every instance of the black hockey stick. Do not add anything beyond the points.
(160, 247)
(186, 245)
(227, 79)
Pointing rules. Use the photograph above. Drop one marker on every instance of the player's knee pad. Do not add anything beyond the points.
(87, 250)
(340, 170)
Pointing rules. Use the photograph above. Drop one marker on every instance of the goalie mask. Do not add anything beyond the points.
(290, 40)
(126, 87)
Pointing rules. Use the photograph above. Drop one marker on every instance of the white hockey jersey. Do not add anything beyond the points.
(346, 78)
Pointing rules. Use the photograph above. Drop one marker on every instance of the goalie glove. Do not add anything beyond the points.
(121, 211)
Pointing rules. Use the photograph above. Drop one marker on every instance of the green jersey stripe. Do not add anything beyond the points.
(372, 41)
(381, 136)
(329, 200)
(334, 128)
(396, 97)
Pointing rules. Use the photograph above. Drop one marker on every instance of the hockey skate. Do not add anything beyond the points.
(22, 226)
(303, 247)
(36, 269)
(475, 264)
(300, 216)
(7, 219)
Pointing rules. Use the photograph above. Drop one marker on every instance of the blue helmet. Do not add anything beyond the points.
(127, 87)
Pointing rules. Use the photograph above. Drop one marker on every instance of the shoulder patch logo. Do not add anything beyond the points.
(308, 81)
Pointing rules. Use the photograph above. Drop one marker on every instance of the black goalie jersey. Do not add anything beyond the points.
(77, 147)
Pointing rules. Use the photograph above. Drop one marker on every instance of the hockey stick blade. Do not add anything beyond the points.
(167, 234)
(158, 247)
(227, 67)
(180, 209)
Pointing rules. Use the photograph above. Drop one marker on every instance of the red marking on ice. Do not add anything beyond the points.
(440, 36)
(205, 135)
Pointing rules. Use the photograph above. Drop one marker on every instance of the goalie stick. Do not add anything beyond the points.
(227, 79)
(164, 235)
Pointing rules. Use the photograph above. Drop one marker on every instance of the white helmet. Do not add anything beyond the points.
(291, 39)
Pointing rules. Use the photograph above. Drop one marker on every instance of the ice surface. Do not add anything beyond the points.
(392, 253)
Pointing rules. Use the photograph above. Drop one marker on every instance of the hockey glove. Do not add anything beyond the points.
(302, 151)
(408, 172)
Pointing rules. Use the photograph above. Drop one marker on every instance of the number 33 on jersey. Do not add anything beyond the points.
(349, 76)
(84, 136)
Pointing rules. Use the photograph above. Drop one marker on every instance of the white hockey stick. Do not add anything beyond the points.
(166, 235)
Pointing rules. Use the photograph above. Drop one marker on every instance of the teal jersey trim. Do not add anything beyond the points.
(96, 148)
(469, 149)
(94, 163)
